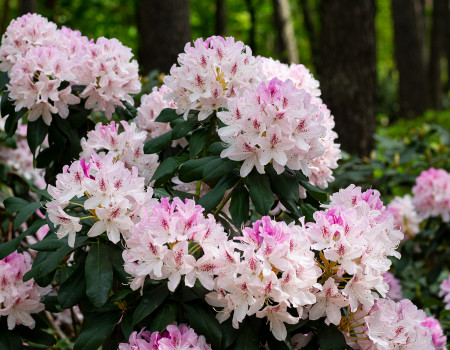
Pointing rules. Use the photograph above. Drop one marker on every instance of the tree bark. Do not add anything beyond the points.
(311, 30)
(164, 29)
(409, 42)
(221, 18)
(27, 6)
(252, 31)
(348, 70)
(287, 45)
(436, 52)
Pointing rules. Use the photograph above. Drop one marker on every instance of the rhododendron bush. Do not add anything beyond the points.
(199, 220)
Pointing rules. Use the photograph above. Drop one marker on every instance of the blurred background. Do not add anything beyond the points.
(378, 61)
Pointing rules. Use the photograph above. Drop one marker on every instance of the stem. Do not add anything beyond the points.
(197, 190)
(55, 326)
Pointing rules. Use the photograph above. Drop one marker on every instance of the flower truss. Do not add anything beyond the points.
(405, 215)
(113, 195)
(174, 337)
(19, 299)
(209, 73)
(126, 146)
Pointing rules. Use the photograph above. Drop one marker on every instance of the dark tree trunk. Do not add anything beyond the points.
(221, 18)
(164, 29)
(252, 37)
(348, 70)
(26, 6)
(436, 52)
(409, 42)
(4, 17)
(286, 44)
(311, 30)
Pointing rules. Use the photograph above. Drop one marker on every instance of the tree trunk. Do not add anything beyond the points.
(409, 42)
(4, 17)
(27, 6)
(311, 30)
(287, 45)
(436, 52)
(252, 37)
(164, 29)
(221, 18)
(348, 70)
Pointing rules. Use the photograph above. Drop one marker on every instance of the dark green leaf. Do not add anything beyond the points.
(212, 199)
(308, 211)
(115, 256)
(167, 115)
(260, 192)
(95, 329)
(284, 185)
(315, 192)
(247, 339)
(197, 141)
(37, 336)
(13, 120)
(9, 247)
(73, 289)
(99, 274)
(182, 129)
(13, 204)
(331, 338)
(229, 333)
(239, 206)
(127, 324)
(168, 167)
(127, 113)
(4, 79)
(218, 167)
(158, 144)
(9, 340)
(45, 157)
(49, 243)
(160, 193)
(202, 319)
(216, 147)
(24, 213)
(150, 302)
(164, 315)
(192, 170)
(36, 133)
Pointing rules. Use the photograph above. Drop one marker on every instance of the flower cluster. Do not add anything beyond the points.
(126, 146)
(437, 334)
(209, 73)
(270, 268)
(173, 338)
(20, 159)
(115, 197)
(44, 63)
(275, 123)
(175, 240)
(355, 235)
(405, 215)
(390, 325)
(150, 108)
(432, 194)
(19, 299)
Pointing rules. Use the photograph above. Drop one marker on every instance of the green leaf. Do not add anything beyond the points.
(216, 147)
(127, 113)
(202, 319)
(4, 79)
(284, 185)
(308, 211)
(229, 333)
(9, 340)
(13, 204)
(150, 301)
(73, 289)
(218, 168)
(99, 274)
(260, 192)
(331, 338)
(24, 213)
(212, 199)
(314, 191)
(197, 141)
(160, 193)
(247, 339)
(9, 247)
(37, 336)
(115, 256)
(167, 115)
(158, 144)
(36, 133)
(239, 206)
(127, 324)
(168, 167)
(182, 129)
(13, 121)
(192, 170)
(49, 243)
(7, 109)
(95, 329)
(164, 315)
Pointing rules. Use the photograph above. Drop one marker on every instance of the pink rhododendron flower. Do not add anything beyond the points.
(445, 292)
(432, 194)
(405, 215)
(395, 288)
(274, 123)
(19, 299)
(209, 73)
(437, 334)
(175, 337)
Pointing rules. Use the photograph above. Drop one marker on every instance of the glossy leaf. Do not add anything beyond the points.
(218, 167)
(164, 315)
(239, 206)
(197, 141)
(73, 289)
(260, 192)
(157, 144)
(192, 170)
(99, 274)
(24, 213)
(36, 133)
(9, 247)
(202, 319)
(212, 199)
(167, 115)
(331, 338)
(168, 167)
(150, 301)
